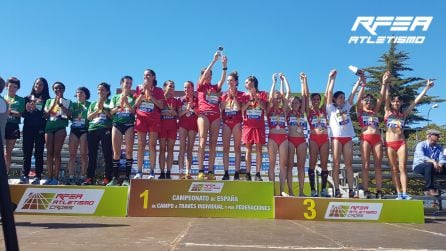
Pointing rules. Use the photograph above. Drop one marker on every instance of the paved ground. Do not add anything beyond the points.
(108, 233)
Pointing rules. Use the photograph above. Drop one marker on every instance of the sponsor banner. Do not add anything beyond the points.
(70, 200)
(188, 198)
(351, 210)
(330, 209)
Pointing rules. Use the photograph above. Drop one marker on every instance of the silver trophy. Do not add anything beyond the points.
(220, 51)
(356, 70)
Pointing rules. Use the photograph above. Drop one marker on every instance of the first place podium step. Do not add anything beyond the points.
(191, 198)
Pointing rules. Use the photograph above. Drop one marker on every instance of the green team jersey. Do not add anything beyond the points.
(57, 118)
(101, 120)
(123, 115)
(79, 114)
(16, 104)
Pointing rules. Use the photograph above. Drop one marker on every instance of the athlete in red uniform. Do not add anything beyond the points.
(297, 145)
(395, 140)
(370, 135)
(149, 101)
(209, 115)
(277, 140)
(188, 128)
(168, 134)
(253, 132)
(318, 142)
(231, 103)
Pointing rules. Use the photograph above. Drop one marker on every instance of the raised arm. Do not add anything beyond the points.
(361, 80)
(381, 97)
(202, 79)
(387, 98)
(287, 85)
(359, 103)
(330, 86)
(271, 92)
(305, 93)
(224, 63)
(409, 109)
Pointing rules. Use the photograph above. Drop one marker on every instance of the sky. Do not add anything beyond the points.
(85, 42)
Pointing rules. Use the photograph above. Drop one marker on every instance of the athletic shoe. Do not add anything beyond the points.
(226, 176)
(314, 193)
(248, 177)
(351, 193)
(152, 175)
(54, 182)
(168, 177)
(88, 182)
(211, 176)
(258, 177)
(367, 194)
(105, 181)
(284, 194)
(125, 183)
(80, 181)
(189, 177)
(324, 193)
(113, 182)
(200, 176)
(36, 181)
(406, 196)
(70, 181)
(236, 176)
(338, 193)
(138, 176)
(379, 194)
(161, 177)
(24, 180)
(47, 181)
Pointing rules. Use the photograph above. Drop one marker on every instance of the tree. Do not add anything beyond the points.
(406, 88)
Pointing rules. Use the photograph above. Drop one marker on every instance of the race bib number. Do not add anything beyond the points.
(212, 98)
(394, 123)
(278, 120)
(100, 119)
(78, 123)
(146, 106)
(123, 114)
(342, 118)
(254, 113)
(370, 120)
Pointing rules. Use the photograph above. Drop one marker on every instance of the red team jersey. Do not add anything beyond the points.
(148, 110)
(168, 121)
(188, 120)
(276, 118)
(230, 114)
(208, 98)
(368, 119)
(254, 116)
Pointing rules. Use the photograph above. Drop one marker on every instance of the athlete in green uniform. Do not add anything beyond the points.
(16, 107)
(57, 113)
(123, 123)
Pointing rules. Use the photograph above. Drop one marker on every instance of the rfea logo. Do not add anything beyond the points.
(353, 211)
(206, 187)
(400, 29)
(51, 200)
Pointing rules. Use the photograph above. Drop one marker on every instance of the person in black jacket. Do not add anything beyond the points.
(34, 130)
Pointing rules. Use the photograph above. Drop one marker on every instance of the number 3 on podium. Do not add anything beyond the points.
(145, 196)
(311, 211)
